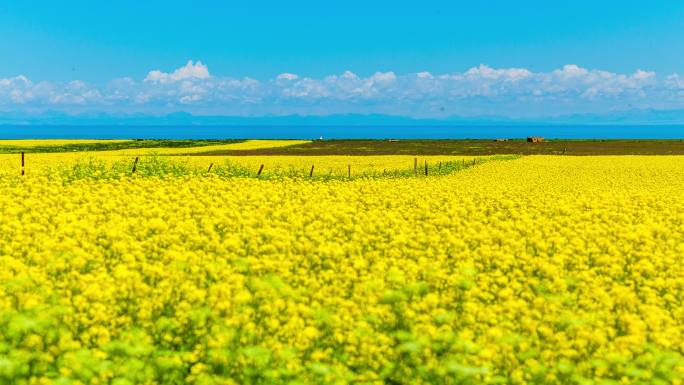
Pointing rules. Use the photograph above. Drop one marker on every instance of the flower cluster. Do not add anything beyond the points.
(558, 270)
(287, 165)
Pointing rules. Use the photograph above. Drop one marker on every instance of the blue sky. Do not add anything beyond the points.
(427, 58)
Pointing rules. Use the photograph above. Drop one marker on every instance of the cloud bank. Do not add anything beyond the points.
(481, 90)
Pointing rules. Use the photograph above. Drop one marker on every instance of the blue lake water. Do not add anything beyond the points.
(342, 132)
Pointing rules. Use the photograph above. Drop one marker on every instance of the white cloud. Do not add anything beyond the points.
(641, 74)
(570, 71)
(383, 77)
(482, 89)
(16, 89)
(287, 76)
(349, 75)
(505, 74)
(188, 99)
(15, 81)
(189, 71)
(675, 81)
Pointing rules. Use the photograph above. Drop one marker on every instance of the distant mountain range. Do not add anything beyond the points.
(628, 117)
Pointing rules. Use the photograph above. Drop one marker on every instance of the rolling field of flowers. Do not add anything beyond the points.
(110, 163)
(533, 270)
(52, 142)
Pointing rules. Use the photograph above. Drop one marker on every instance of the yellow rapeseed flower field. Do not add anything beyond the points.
(53, 142)
(246, 145)
(336, 165)
(537, 270)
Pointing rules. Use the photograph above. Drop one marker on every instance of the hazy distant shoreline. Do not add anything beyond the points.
(339, 132)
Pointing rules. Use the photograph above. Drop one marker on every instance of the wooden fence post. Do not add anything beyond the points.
(426, 168)
(260, 169)
(22, 163)
(311, 173)
(415, 166)
(135, 165)
(349, 170)
(210, 166)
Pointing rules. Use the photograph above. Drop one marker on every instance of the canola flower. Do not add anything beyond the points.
(540, 270)
(53, 142)
(324, 166)
(335, 165)
(245, 145)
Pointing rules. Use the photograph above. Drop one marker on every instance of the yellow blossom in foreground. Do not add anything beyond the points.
(560, 270)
